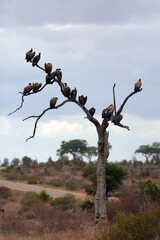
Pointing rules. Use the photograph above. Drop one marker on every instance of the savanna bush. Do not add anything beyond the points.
(32, 181)
(5, 192)
(56, 183)
(64, 203)
(44, 196)
(30, 198)
(87, 205)
(141, 226)
(70, 186)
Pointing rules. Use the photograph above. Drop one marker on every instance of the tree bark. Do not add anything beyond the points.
(100, 197)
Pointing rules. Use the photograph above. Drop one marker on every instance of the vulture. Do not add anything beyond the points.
(27, 89)
(74, 93)
(117, 118)
(67, 90)
(59, 74)
(36, 59)
(82, 99)
(36, 86)
(30, 55)
(137, 85)
(48, 67)
(50, 77)
(107, 112)
(92, 111)
(53, 102)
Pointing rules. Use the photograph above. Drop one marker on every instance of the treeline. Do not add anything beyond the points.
(80, 151)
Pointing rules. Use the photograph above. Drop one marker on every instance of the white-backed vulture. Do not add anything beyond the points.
(28, 55)
(117, 118)
(48, 67)
(92, 111)
(53, 102)
(27, 89)
(107, 112)
(67, 90)
(59, 74)
(36, 86)
(82, 99)
(74, 93)
(36, 59)
(137, 85)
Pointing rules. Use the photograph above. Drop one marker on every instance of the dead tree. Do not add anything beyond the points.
(109, 114)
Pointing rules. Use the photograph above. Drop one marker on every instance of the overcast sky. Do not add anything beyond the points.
(96, 44)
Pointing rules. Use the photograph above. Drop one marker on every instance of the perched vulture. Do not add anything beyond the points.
(36, 59)
(137, 85)
(82, 99)
(67, 90)
(74, 93)
(59, 74)
(117, 118)
(36, 86)
(104, 113)
(50, 77)
(53, 102)
(27, 89)
(28, 55)
(48, 67)
(92, 111)
(107, 112)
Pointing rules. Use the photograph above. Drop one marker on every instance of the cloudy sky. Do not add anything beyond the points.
(96, 44)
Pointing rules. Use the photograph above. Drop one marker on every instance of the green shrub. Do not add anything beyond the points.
(56, 183)
(70, 186)
(44, 196)
(114, 179)
(64, 203)
(12, 176)
(32, 181)
(133, 227)
(148, 188)
(87, 205)
(30, 198)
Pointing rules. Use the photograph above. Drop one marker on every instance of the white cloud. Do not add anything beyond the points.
(55, 128)
(3, 30)
(58, 27)
(4, 126)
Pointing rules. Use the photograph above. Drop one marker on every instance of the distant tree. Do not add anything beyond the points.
(76, 147)
(26, 161)
(114, 179)
(146, 151)
(156, 152)
(5, 162)
(15, 162)
(150, 152)
(91, 151)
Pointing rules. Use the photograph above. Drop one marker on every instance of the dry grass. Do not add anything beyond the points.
(87, 234)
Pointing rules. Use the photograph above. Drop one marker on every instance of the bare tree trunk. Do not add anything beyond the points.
(100, 197)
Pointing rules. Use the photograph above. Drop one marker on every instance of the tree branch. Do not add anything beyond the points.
(39, 116)
(114, 99)
(122, 126)
(18, 107)
(126, 99)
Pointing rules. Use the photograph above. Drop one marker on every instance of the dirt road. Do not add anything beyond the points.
(50, 191)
